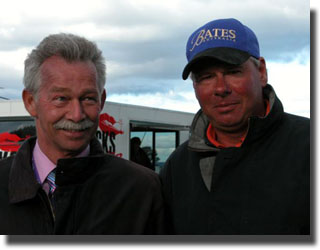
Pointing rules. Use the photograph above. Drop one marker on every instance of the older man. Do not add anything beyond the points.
(61, 182)
(246, 166)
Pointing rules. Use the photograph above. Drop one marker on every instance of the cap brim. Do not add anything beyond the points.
(227, 55)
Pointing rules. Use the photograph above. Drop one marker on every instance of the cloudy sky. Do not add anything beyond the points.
(143, 42)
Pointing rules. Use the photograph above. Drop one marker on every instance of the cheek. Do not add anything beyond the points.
(244, 88)
(50, 114)
(203, 95)
(241, 86)
(93, 112)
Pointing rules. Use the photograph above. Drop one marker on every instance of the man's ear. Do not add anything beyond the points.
(29, 102)
(263, 72)
(103, 98)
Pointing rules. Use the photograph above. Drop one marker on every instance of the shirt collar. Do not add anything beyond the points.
(43, 166)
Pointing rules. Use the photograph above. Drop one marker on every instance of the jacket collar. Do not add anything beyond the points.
(257, 125)
(23, 184)
(197, 141)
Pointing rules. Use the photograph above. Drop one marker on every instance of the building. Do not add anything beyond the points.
(160, 131)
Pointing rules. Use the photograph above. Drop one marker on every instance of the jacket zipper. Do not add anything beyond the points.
(47, 203)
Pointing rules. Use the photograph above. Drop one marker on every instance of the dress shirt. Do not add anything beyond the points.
(43, 166)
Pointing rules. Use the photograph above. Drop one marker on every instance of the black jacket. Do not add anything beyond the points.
(263, 187)
(99, 194)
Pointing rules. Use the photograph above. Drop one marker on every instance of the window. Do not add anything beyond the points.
(13, 125)
(158, 141)
(165, 144)
(13, 131)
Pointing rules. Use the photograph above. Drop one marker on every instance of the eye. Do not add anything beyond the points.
(60, 98)
(233, 71)
(90, 99)
(203, 78)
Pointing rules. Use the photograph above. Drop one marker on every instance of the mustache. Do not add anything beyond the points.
(75, 126)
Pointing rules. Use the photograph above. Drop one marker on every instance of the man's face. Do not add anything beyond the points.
(229, 94)
(67, 106)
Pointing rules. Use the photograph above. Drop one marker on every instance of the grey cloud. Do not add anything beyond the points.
(145, 85)
(138, 85)
(154, 64)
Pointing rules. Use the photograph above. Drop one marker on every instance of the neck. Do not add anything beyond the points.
(230, 139)
(225, 138)
(54, 156)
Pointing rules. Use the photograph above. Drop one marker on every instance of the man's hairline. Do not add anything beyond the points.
(36, 93)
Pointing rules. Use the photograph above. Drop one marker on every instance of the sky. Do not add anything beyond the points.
(144, 41)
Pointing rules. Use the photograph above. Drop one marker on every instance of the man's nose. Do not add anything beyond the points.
(75, 112)
(221, 86)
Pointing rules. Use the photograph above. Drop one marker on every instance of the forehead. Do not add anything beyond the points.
(57, 69)
(207, 64)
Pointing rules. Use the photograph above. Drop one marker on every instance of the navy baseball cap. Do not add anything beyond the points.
(227, 40)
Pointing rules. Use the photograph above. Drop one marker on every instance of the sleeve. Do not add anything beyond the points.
(159, 221)
(166, 186)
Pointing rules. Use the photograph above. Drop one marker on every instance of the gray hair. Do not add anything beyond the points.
(71, 48)
(255, 61)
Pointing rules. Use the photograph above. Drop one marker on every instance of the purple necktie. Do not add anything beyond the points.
(51, 181)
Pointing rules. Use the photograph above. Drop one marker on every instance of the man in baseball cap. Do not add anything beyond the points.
(246, 166)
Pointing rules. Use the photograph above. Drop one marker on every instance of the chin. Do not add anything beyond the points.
(75, 146)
